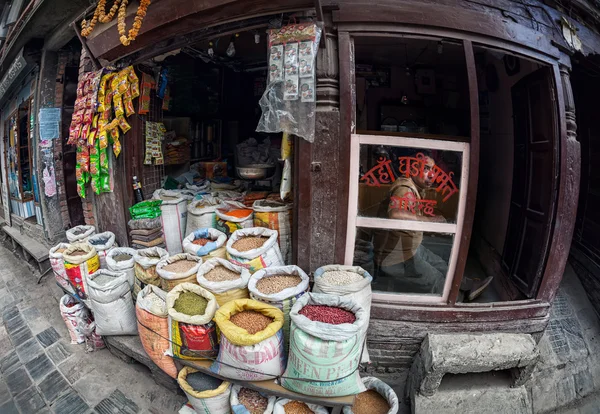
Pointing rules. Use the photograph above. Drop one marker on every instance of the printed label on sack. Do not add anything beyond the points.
(77, 272)
(252, 265)
(194, 341)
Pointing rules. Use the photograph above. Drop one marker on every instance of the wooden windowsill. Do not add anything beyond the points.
(415, 135)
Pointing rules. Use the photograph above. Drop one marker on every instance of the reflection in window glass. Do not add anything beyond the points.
(409, 183)
(400, 261)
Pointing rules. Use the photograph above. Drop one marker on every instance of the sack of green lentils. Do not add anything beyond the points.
(368, 402)
(280, 286)
(177, 269)
(332, 325)
(120, 259)
(145, 267)
(224, 280)
(282, 407)
(205, 242)
(192, 332)
(206, 394)
(247, 401)
(349, 281)
(254, 248)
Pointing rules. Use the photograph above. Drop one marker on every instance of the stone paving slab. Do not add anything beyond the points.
(53, 385)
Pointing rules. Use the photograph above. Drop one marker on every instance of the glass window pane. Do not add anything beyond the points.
(406, 262)
(409, 183)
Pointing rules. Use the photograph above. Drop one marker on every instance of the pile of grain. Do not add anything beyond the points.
(276, 283)
(202, 382)
(251, 321)
(156, 300)
(249, 243)
(180, 266)
(370, 402)
(61, 250)
(190, 303)
(103, 279)
(328, 314)
(253, 401)
(297, 407)
(221, 274)
(201, 241)
(122, 257)
(78, 253)
(341, 278)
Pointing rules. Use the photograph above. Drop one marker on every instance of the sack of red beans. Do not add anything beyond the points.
(325, 346)
(211, 241)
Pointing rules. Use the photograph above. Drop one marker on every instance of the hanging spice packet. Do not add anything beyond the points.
(290, 92)
(276, 63)
(307, 90)
(306, 59)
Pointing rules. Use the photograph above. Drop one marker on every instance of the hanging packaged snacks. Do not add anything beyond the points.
(155, 132)
(148, 84)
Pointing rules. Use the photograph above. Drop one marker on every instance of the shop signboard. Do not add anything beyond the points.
(13, 72)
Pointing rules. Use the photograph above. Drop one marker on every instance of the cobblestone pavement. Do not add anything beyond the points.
(42, 372)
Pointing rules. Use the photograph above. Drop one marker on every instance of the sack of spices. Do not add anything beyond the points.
(379, 398)
(254, 248)
(224, 280)
(208, 395)
(351, 282)
(251, 346)
(247, 401)
(232, 216)
(286, 406)
(203, 242)
(103, 242)
(202, 213)
(120, 259)
(153, 327)
(174, 218)
(192, 332)
(58, 265)
(276, 215)
(80, 261)
(281, 287)
(145, 267)
(74, 314)
(79, 234)
(111, 303)
(177, 269)
(332, 325)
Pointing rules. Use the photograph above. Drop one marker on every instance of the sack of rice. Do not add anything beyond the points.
(247, 401)
(74, 314)
(254, 248)
(174, 218)
(153, 327)
(80, 261)
(224, 280)
(202, 213)
(120, 259)
(279, 286)
(332, 325)
(208, 395)
(251, 341)
(379, 398)
(192, 331)
(80, 234)
(58, 265)
(276, 215)
(286, 406)
(177, 269)
(232, 216)
(103, 242)
(145, 267)
(205, 242)
(111, 303)
(352, 282)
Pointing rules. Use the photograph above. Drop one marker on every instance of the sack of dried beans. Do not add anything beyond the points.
(80, 234)
(286, 406)
(192, 332)
(332, 325)
(203, 242)
(224, 280)
(379, 398)
(103, 242)
(207, 395)
(58, 265)
(178, 269)
(111, 303)
(120, 259)
(232, 216)
(279, 286)
(254, 248)
(251, 341)
(247, 401)
(349, 281)
(145, 267)
(202, 213)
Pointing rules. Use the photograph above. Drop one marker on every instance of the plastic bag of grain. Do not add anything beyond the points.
(276, 215)
(103, 242)
(81, 260)
(210, 401)
(192, 332)
(279, 286)
(173, 218)
(80, 234)
(297, 406)
(120, 259)
(251, 341)
(153, 327)
(74, 313)
(58, 265)
(205, 242)
(224, 280)
(247, 401)
(145, 267)
(177, 269)
(349, 281)
(254, 248)
(335, 366)
(384, 402)
(202, 213)
(232, 216)
(111, 303)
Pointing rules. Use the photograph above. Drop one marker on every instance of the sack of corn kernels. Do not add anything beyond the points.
(254, 248)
